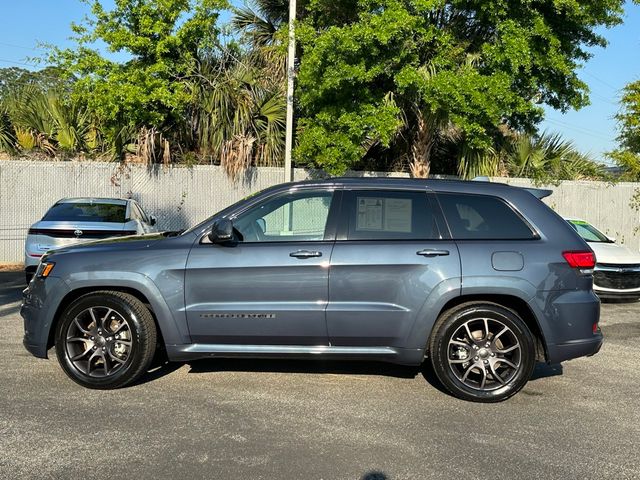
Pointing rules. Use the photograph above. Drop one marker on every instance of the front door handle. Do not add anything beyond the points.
(430, 252)
(305, 254)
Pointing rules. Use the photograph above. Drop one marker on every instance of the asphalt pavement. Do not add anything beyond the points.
(240, 419)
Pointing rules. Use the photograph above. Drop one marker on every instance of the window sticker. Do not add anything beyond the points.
(384, 214)
(370, 213)
(397, 215)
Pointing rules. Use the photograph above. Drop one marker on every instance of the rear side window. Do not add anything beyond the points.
(390, 215)
(86, 212)
(472, 217)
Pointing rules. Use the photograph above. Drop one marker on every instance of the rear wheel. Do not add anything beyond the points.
(105, 339)
(482, 352)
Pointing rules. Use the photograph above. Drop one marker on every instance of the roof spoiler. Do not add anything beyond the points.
(539, 193)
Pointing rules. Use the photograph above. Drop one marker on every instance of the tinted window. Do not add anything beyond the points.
(86, 212)
(300, 216)
(390, 215)
(482, 217)
(588, 232)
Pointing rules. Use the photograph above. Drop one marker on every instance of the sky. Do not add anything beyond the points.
(27, 23)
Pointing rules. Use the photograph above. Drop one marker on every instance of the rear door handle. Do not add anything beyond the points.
(430, 252)
(305, 254)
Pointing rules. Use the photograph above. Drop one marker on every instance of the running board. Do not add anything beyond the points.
(201, 350)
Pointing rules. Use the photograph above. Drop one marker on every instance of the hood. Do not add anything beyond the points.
(129, 242)
(614, 253)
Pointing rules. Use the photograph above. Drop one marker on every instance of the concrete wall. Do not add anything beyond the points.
(181, 196)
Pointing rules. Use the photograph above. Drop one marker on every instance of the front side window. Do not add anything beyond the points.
(299, 216)
(390, 215)
(482, 217)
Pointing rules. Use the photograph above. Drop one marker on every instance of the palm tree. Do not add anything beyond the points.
(240, 117)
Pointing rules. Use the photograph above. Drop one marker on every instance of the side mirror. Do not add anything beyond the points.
(152, 220)
(222, 231)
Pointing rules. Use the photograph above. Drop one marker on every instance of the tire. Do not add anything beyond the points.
(28, 276)
(489, 361)
(105, 340)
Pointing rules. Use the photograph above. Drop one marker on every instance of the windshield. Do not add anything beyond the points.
(588, 232)
(86, 212)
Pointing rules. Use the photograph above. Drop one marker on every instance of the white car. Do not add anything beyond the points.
(617, 270)
(77, 220)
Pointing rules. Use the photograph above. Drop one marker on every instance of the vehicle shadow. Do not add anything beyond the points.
(162, 367)
(374, 475)
(544, 370)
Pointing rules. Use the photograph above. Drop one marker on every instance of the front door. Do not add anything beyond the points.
(270, 285)
(389, 257)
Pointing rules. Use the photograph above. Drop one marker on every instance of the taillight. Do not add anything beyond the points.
(580, 259)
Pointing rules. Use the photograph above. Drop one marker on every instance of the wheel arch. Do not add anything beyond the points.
(511, 302)
(165, 324)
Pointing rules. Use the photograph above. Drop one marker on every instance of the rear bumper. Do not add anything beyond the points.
(567, 319)
(575, 349)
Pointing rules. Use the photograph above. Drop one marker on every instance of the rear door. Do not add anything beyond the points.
(388, 258)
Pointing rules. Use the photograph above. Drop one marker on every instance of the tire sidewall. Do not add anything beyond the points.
(440, 353)
(135, 357)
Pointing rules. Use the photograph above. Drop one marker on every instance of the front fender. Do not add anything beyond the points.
(171, 318)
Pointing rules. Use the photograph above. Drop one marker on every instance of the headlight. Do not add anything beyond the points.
(44, 269)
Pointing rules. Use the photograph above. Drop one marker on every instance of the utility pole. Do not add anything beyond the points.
(291, 72)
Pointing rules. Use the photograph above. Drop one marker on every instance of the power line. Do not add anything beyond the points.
(601, 81)
(22, 47)
(32, 64)
(578, 129)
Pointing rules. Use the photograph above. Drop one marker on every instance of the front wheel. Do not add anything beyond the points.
(105, 339)
(482, 352)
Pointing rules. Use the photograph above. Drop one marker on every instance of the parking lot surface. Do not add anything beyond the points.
(258, 419)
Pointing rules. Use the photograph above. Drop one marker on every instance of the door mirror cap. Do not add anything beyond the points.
(222, 231)
(152, 220)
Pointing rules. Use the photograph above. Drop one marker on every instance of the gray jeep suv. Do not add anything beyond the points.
(482, 279)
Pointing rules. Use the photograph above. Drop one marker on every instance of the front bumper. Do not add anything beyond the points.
(39, 305)
(617, 294)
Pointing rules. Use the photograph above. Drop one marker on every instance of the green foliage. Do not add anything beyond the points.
(47, 120)
(627, 156)
(629, 118)
(629, 163)
(481, 63)
(161, 41)
(547, 158)
(240, 116)
(7, 134)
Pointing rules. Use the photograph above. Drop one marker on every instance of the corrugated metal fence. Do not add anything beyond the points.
(181, 196)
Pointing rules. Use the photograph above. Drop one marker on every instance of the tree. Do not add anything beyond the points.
(150, 92)
(547, 158)
(627, 155)
(375, 73)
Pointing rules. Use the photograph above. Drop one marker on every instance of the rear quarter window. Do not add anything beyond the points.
(483, 217)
